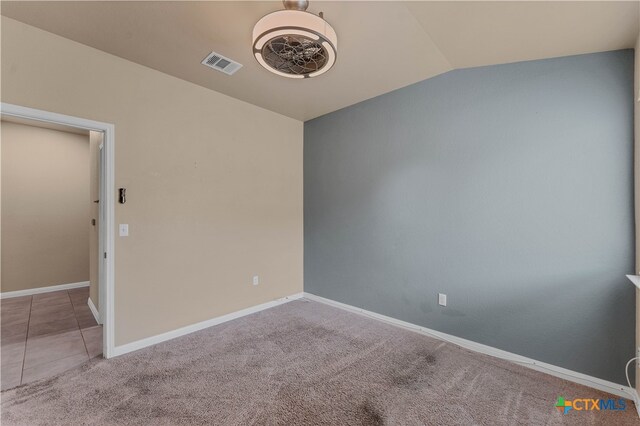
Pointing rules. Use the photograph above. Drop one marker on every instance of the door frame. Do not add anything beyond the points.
(108, 207)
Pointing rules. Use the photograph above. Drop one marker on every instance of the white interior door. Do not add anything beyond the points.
(101, 240)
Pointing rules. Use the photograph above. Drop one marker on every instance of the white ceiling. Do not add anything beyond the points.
(382, 45)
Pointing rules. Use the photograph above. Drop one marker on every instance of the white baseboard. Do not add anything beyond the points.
(94, 311)
(149, 341)
(49, 289)
(563, 373)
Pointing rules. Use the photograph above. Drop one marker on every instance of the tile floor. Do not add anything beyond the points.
(46, 334)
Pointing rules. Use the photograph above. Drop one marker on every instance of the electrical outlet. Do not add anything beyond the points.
(442, 299)
(256, 280)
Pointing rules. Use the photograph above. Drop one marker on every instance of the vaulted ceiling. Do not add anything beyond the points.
(382, 45)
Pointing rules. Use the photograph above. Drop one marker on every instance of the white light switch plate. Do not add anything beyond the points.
(256, 280)
(442, 299)
(124, 230)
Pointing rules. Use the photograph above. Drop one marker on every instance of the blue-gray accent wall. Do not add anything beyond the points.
(509, 188)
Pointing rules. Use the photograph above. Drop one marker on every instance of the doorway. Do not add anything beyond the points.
(102, 216)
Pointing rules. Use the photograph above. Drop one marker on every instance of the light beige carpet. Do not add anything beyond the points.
(302, 363)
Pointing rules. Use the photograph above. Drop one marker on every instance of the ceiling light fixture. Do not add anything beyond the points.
(295, 43)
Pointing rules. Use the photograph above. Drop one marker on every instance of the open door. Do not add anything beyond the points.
(105, 248)
(101, 240)
(96, 239)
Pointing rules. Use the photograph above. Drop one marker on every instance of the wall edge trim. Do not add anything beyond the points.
(182, 331)
(94, 311)
(39, 290)
(553, 370)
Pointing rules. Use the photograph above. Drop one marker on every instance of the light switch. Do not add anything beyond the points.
(442, 299)
(124, 230)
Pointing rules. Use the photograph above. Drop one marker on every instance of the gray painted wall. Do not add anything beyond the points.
(508, 187)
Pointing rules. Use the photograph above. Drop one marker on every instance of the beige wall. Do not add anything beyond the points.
(95, 139)
(214, 184)
(44, 207)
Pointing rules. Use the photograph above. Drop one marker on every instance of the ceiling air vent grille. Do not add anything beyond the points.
(221, 63)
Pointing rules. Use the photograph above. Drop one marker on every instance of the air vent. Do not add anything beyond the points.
(221, 63)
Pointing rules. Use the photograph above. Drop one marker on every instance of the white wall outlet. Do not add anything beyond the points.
(124, 230)
(256, 280)
(442, 299)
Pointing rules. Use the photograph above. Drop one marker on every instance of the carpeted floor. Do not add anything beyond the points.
(302, 363)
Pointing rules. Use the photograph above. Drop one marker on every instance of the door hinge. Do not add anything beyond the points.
(105, 254)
